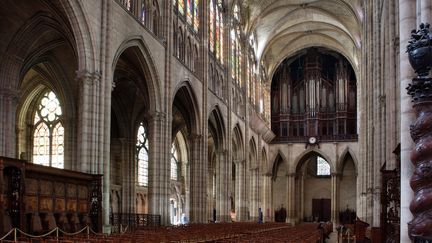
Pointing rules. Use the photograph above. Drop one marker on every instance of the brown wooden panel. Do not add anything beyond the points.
(83, 206)
(46, 187)
(59, 189)
(60, 205)
(30, 203)
(46, 204)
(31, 186)
(71, 205)
(82, 192)
(71, 190)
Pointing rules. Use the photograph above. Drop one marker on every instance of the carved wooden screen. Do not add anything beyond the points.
(38, 198)
(390, 202)
(314, 94)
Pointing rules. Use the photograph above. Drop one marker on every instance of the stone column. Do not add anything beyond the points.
(159, 167)
(266, 194)
(88, 118)
(128, 173)
(222, 197)
(241, 207)
(407, 21)
(334, 197)
(291, 217)
(254, 195)
(197, 180)
(8, 109)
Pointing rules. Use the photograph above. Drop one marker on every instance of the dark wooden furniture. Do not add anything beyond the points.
(390, 202)
(38, 198)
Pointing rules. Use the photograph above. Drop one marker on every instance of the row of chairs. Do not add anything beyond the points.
(219, 232)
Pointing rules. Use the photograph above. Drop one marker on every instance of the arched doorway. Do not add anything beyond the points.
(217, 186)
(185, 143)
(238, 192)
(347, 190)
(313, 188)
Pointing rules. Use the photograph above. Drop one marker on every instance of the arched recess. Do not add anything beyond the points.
(313, 187)
(186, 121)
(216, 159)
(132, 100)
(39, 55)
(347, 187)
(238, 170)
(143, 60)
(279, 184)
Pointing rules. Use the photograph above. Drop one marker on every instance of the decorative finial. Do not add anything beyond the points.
(420, 50)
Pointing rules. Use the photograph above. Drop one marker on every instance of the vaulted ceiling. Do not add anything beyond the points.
(284, 27)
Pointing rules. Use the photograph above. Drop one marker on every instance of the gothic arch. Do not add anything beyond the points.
(273, 161)
(299, 161)
(217, 127)
(347, 152)
(237, 139)
(253, 159)
(278, 160)
(263, 165)
(185, 99)
(138, 47)
(83, 38)
(19, 52)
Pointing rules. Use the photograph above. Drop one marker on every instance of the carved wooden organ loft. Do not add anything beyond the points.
(314, 95)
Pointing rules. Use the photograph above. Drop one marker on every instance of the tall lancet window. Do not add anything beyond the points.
(142, 155)
(174, 161)
(48, 135)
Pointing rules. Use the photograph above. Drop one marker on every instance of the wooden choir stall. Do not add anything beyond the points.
(36, 198)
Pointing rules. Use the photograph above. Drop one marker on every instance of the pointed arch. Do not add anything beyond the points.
(185, 100)
(217, 127)
(278, 160)
(21, 52)
(263, 165)
(237, 139)
(138, 48)
(344, 155)
(253, 153)
(299, 161)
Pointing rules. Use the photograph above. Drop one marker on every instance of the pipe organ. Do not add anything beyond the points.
(314, 95)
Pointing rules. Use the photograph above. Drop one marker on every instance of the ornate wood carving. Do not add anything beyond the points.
(390, 202)
(420, 56)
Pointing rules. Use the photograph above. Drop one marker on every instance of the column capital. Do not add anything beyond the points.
(222, 152)
(195, 137)
(87, 77)
(157, 116)
(335, 174)
(292, 174)
(11, 94)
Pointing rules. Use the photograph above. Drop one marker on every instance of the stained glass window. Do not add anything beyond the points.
(142, 155)
(189, 11)
(212, 27)
(48, 135)
(195, 14)
(216, 29)
(174, 162)
(181, 7)
(323, 167)
(143, 11)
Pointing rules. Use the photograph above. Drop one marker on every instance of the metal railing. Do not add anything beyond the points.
(132, 220)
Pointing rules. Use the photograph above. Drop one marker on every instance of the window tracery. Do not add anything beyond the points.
(142, 148)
